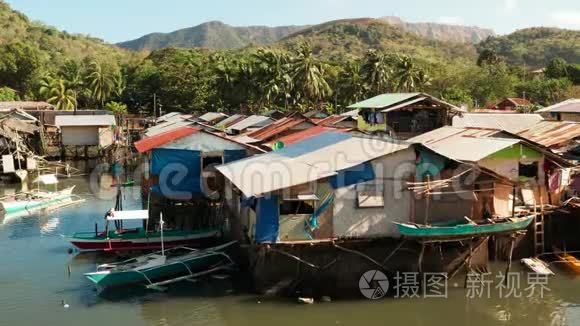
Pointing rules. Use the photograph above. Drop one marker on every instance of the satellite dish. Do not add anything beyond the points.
(278, 146)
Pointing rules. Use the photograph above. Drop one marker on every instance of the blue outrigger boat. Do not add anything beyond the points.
(464, 228)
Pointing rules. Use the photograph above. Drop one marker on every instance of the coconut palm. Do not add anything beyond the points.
(351, 84)
(409, 76)
(100, 82)
(377, 70)
(309, 74)
(57, 94)
(273, 69)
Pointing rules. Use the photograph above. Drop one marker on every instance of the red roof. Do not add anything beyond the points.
(275, 128)
(304, 134)
(147, 144)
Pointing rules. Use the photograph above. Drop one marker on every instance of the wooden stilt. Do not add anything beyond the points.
(468, 266)
(507, 270)
(420, 263)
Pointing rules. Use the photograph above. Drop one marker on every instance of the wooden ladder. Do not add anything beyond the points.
(539, 227)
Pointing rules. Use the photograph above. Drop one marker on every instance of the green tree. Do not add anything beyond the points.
(273, 73)
(21, 66)
(57, 94)
(351, 83)
(101, 82)
(489, 57)
(377, 69)
(118, 109)
(8, 94)
(557, 68)
(409, 76)
(308, 74)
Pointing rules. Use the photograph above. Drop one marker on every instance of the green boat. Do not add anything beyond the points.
(165, 267)
(465, 228)
(35, 200)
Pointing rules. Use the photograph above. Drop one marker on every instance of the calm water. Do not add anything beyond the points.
(34, 281)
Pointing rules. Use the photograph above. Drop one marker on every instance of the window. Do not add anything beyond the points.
(369, 195)
(211, 160)
(528, 170)
(296, 207)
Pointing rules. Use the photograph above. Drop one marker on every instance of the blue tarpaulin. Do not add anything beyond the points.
(356, 174)
(234, 155)
(314, 143)
(267, 213)
(179, 172)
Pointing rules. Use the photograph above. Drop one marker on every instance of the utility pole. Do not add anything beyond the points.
(154, 105)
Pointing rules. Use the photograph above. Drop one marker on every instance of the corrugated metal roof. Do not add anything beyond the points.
(167, 126)
(276, 128)
(552, 134)
(212, 116)
(568, 106)
(163, 138)
(167, 117)
(333, 119)
(25, 105)
(306, 161)
(84, 120)
(252, 121)
(203, 141)
(464, 144)
(304, 134)
(383, 100)
(231, 120)
(511, 122)
(394, 101)
(352, 113)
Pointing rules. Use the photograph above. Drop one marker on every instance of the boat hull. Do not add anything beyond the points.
(142, 241)
(463, 230)
(571, 262)
(18, 206)
(199, 264)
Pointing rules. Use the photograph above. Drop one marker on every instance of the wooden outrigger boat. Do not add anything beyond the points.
(464, 228)
(140, 238)
(26, 202)
(165, 267)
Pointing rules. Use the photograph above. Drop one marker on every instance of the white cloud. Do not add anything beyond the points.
(569, 19)
(452, 20)
(510, 5)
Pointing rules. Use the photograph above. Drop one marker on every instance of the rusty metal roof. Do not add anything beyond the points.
(304, 134)
(552, 134)
(161, 139)
(276, 128)
(331, 120)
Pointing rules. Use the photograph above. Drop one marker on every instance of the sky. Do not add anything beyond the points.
(122, 20)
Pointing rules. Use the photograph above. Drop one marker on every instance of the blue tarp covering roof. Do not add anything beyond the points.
(179, 173)
(314, 143)
(356, 174)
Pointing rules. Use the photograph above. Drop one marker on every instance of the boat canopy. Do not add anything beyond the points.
(47, 179)
(129, 215)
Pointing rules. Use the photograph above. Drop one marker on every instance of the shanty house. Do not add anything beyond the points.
(404, 115)
(528, 164)
(568, 110)
(181, 161)
(275, 130)
(250, 123)
(86, 130)
(511, 104)
(212, 118)
(337, 186)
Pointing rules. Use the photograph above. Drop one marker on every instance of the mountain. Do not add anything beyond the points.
(536, 46)
(217, 35)
(56, 45)
(353, 37)
(213, 35)
(442, 32)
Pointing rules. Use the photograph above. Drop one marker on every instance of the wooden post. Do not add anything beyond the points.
(507, 270)
(427, 200)
(514, 201)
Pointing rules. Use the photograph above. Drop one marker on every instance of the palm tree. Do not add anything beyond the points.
(409, 76)
(309, 74)
(351, 84)
(377, 70)
(58, 94)
(100, 82)
(273, 69)
(72, 74)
